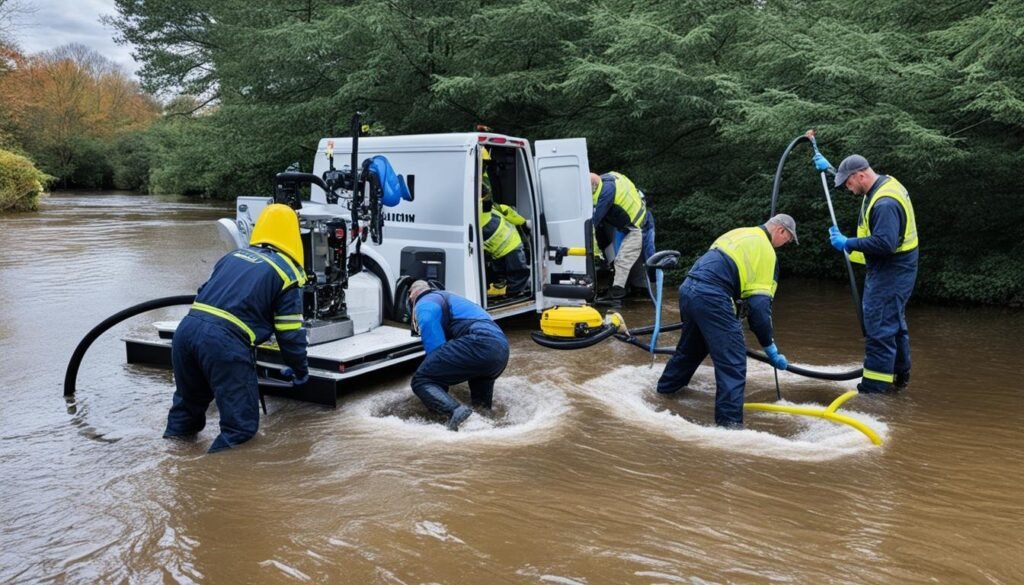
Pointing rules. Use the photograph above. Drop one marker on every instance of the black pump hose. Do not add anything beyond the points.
(809, 373)
(778, 170)
(852, 374)
(573, 342)
(775, 197)
(646, 329)
(71, 375)
(632, 339)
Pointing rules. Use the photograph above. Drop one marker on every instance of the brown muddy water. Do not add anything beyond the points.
(584, 475)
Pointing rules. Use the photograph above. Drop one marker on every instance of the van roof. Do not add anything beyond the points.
(447, 141)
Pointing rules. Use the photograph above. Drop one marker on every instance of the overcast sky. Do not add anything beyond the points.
(52, 23)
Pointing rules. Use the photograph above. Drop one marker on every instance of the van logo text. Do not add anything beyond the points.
(400, 217)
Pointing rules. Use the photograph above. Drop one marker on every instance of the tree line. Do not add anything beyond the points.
(695, 100)
(75, 114)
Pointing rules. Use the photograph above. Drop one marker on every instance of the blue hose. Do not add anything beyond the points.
(660, 279)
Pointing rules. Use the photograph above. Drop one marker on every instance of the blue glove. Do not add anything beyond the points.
(821, 163)
(837, 238)
(290, 373)
(777, 359)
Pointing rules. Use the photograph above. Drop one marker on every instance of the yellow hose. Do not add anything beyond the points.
(828, 413)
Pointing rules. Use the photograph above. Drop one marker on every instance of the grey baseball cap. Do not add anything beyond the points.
(850, 165)
(787, 222)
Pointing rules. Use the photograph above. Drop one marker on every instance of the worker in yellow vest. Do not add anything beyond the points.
(620, 205)
(887, 244)
(740, 270)
(503, 246)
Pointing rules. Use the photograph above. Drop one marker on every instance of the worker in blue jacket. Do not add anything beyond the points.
(620, 205)
(463, 343)
(252, 293)
(887, 244)
(740, 270)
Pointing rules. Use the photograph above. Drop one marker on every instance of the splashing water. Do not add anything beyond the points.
(628, 392)
(522, 413)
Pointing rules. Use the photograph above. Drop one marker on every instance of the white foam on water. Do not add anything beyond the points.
(527, 413)
(537, 574)
(286, 569)
(561, 580)
(436, 530)
(629, 393)
(661, 577)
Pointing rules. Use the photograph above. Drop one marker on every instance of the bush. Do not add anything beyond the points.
(130, 160)
(20, 183)
(89, 166)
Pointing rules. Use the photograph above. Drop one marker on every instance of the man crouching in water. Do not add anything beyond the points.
(462, 343)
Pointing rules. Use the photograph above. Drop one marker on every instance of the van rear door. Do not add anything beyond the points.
(563, 178)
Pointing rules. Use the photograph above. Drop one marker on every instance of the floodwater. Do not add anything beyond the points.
(583, 475)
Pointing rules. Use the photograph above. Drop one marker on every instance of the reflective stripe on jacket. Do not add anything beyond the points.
(244, 296)
(890, 188)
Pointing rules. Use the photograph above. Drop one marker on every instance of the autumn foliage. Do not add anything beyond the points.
(68, 109)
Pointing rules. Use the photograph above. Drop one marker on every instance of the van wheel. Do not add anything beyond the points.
(400, 310)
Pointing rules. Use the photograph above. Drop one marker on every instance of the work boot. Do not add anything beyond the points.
(902, 380)
(612, 297)
(458, 417)
(184, 438)
(865, 389)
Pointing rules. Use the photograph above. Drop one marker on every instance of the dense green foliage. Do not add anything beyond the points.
(21, 183)
(695, 100)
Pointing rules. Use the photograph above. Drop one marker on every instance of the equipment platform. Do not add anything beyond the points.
(329, 363)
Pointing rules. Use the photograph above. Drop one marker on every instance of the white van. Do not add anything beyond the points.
(436, 237)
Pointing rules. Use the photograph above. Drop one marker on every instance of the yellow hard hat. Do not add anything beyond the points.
(278, 225)
(485, 153)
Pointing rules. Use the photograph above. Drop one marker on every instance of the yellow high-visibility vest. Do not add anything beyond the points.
(890, 188)
(752, 251)
(628, 197)
(500, 236)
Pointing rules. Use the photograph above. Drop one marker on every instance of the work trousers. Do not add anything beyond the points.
(513, 269)
(213, 363)
(711, 326)
(887, 339)
(640, 275)
(627, 255)
(479, 357)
